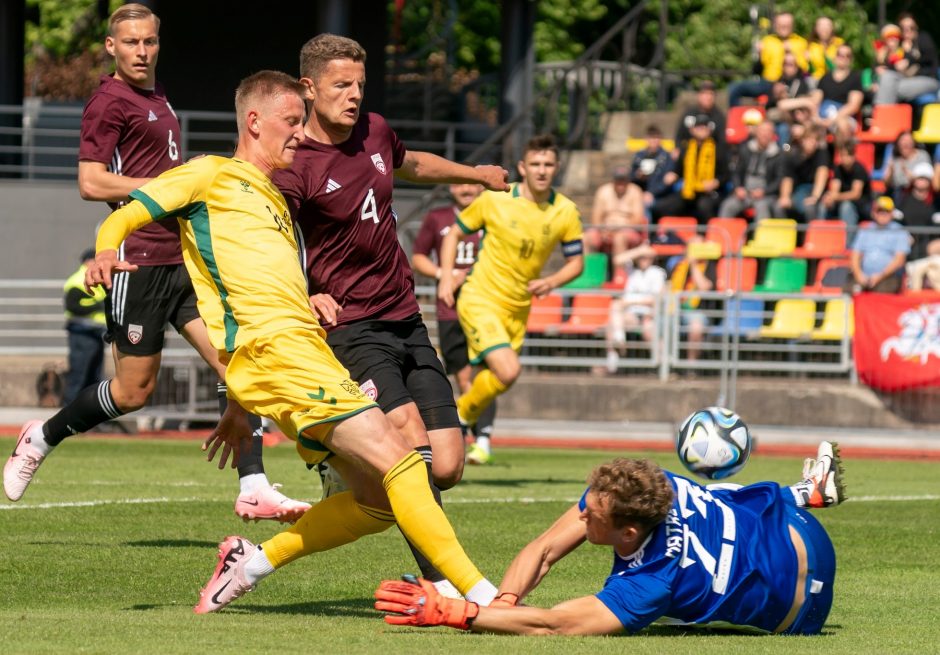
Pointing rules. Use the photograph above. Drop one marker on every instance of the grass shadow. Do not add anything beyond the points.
(172, 543)
(358, 608)
(520, 482)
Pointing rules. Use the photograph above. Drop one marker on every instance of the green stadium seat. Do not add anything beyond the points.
(784, 275)
(594, 274)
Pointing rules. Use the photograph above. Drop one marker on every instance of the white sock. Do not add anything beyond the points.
(38, 440)
(482, 593)
(484, 442)
(257, 567)
(446, 589)
(253, 481)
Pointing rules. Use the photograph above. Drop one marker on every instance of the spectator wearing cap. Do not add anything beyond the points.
(618, 218)
(879, 252)
(905, 156)
(919, 207)
(704, 104)
(914, 74)
(769, 54)
(650, 166)
(849, 192)
(702, 167)
(805, 176)
(85, 324)
(757, 176)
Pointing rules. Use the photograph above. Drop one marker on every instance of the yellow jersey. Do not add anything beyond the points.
(518, 238)
(239, 246)
(774, 49)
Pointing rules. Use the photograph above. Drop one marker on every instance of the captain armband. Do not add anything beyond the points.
(572, 248)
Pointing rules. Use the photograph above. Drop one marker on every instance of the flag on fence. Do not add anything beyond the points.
(897, 340)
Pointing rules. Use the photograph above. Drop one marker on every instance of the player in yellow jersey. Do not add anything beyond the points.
(521, 229)
(240, 247)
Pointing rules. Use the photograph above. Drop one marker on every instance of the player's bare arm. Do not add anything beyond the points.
(541, 287)
(426, 167)
(96, 182)
(325, 308)
(447, 284)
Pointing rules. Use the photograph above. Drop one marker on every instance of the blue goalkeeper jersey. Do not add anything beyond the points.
(721, 558)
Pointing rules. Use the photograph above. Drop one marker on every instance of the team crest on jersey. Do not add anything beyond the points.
(135, 333)
(379, 163)
(369, 389)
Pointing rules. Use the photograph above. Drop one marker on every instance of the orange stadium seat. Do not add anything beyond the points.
(824, 238)
(545, 314)
(588, 314)
(736, 131)
(728, 233)
(683, 227)
(736, 274)
(887, 123)
(826, 265)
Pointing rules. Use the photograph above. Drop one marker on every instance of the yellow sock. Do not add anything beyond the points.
(330, 523)
(486, 386)
(424, 523)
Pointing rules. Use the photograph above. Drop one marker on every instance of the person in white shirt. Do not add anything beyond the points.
(635, 310)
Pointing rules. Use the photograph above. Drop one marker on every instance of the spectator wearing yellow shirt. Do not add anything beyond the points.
(771, 50)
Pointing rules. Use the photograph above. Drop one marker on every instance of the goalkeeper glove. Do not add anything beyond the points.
(415, 601)
(505, 599)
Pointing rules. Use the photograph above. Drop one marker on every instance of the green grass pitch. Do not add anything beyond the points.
(109, 547)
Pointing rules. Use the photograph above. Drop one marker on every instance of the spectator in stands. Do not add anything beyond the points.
(704, 104)
(913, 75)
(635, 310)
(918, 204)
(849, 194)
(650, 166)
(770, 51)
(702, 166)
(690, 274)
(839, 96)
(86, 327)
(888, 50)
(618, 218)
(879, 252)
(822, 47)
(806, 173)
(757, 176)
(789, 95)
(906, 155)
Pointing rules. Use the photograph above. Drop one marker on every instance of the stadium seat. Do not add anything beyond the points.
(784, 275)
(743, 316)
(829, 268)
(728, 233)
(736, 274)
(683, 227)
(636, 145)
(824, 238)
(594, 273)
(929, 131)
(773, 237)
(887, 122)
(589, 314)
(737, 131)
(794, 318)
(838, 321)
(545, 314)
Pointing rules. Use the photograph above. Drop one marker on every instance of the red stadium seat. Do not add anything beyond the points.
(683, 227)
(588, 314)
(736, 274)
(887, 123)
(737, 131)
(824, 238)
(726, 232)
(826, 265)
(545, 314)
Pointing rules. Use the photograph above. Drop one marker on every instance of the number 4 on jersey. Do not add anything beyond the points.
(368, 209)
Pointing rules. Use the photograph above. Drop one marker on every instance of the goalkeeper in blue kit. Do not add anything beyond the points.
(749, 558)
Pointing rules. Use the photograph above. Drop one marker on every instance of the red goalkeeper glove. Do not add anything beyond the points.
(415, 601)
(505, 599)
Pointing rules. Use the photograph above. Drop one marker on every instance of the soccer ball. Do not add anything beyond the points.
(714, 442)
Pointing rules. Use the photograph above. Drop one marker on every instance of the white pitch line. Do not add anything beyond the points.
(454, 501)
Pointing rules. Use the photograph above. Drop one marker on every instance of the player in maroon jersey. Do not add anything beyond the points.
(425, 258)
(130, 134)
(339, 191)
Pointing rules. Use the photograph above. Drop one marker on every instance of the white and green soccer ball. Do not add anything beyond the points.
(713, 442)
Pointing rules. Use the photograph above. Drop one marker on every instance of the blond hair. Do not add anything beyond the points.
(266, 84)
(324, 48)
(131, 11)
(636, 491)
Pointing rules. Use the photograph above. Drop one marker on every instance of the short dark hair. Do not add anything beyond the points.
(261, 84)
(324, 48)
(539, 143)
(653, 130)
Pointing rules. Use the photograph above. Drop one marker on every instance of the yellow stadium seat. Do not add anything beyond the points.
(704, 250)
(772, 238)
(838, 321)
(636, 145)
(794, 318)
(929, 131)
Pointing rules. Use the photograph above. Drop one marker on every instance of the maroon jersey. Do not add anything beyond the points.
(436, 224)
(341, 197)
(135, 133)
